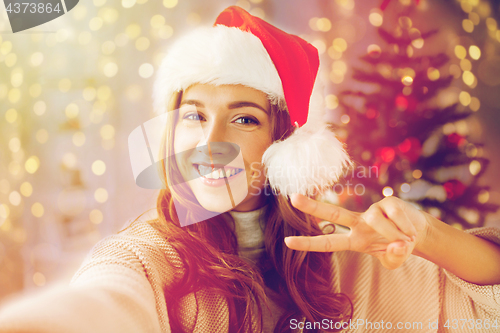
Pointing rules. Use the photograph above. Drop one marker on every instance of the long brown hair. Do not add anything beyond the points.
(304, 279)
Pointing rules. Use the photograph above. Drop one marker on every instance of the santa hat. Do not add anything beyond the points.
(244, 49)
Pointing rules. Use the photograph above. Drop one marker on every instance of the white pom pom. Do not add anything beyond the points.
(307, 162)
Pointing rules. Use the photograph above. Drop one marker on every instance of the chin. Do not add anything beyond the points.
(219, 199)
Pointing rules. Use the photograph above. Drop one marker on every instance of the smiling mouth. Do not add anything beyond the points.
(208, 173)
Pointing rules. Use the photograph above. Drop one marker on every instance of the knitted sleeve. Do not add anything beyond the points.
(117, 289)
(481, 298)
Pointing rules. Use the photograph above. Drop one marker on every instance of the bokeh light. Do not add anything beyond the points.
(405, 187)
(39, 279)
(474, 52)
(37, 209)
(170, 3)
(32, 164)
(376, 18)
(146, 70)
(96, 216)
(42, 135)
(26, 189)
(79, 139)
(474, 167)
(101, 195)
(460, 52)
(417, 174)
(332, 101)
(98, 167)
(15, 198)
(387, 191)
(464, 98)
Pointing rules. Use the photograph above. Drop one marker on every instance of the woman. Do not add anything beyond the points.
(236, 247)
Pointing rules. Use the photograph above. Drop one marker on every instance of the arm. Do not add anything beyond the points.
(469, 257)
(110, 293)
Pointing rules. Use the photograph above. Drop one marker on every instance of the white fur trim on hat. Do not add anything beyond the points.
(309, 161)
(217, 55)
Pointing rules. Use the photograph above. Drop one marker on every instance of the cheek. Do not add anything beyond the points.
(183, 141)
(256, 148)
(252, 154)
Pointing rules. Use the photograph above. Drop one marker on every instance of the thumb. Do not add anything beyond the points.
(396, 254)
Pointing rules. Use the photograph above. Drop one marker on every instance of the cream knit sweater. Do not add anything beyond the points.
(120, 288)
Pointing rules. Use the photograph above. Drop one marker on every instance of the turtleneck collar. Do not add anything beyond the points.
(249, 229)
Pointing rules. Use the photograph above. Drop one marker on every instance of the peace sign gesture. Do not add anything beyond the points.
(389, 230)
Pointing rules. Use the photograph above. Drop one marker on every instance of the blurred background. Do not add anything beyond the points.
(73, 89)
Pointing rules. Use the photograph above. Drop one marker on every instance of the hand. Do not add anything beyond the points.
(389, 230)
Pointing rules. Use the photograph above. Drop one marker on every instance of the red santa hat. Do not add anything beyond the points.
(244, 49)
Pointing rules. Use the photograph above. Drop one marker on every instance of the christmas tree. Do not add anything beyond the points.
(406, 145)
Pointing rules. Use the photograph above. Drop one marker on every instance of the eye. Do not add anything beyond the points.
(247, 121)
(190, 116)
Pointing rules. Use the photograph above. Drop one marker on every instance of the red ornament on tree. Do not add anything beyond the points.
(454, 189)
(387, 154)
(405, 103)
(455, 140)
(410, 148)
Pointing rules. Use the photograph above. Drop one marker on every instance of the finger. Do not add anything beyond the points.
(324, 210)
(382, 225)
(396, 254)
(322, 243)
(394, 209)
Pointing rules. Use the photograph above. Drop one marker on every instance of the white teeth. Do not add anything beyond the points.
(206, 172)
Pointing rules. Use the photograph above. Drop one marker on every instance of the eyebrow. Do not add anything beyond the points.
(234, 105)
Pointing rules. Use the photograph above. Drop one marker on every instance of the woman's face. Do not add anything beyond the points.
(227, 125)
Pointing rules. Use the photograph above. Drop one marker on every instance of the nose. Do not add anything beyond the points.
(214, 141)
